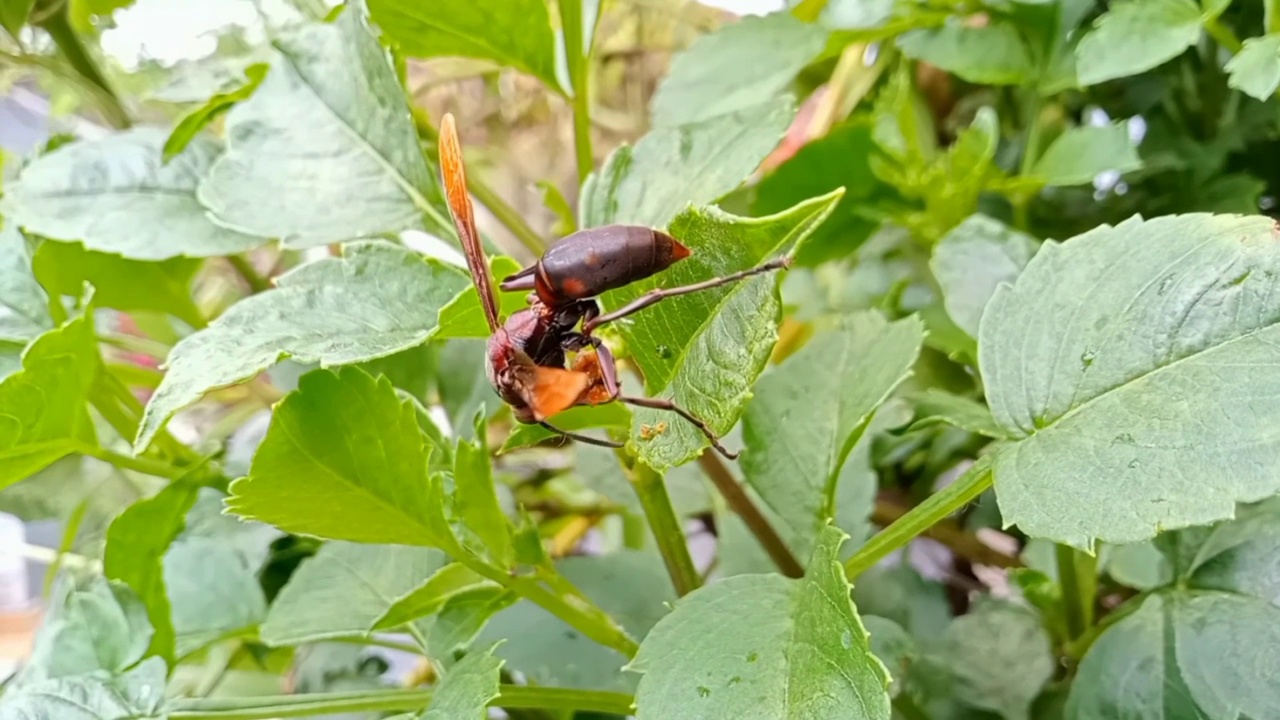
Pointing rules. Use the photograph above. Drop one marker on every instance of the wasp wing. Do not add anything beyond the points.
(455, 188)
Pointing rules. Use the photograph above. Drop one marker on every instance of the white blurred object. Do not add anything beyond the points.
(15, 594)
(746, 7)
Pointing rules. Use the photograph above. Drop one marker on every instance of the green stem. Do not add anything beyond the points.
(809, 10)
(251, 277)
(411, 648)
(1271, 16)
(579, 77)
(289, 706)
(964, 490)
(508, 216)
(738, 501)
(139, 464)
(1076, 574)
(80, 60)
(1030, 153)
(1223, 35)
(651, 489)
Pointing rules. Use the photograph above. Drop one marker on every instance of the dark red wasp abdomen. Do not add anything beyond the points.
(593, 261)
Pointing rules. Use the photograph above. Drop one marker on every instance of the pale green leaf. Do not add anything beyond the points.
(972, 260)
(1134, 36)
(893, 646)
(445, 584)
(1183, 654)
(1237, 556)
(91, 626)
(213, 591)
(476, 500)
(24, 312)
(344, 459)
(783, 649)
(463, 317)
(1255, 70)
(43, 407)
(463, 616)
(135, 695)
(118, 282)
(1082, 153)
(935, 405)
(1127, 363)
(672, 168)
(375, 301)
(705, 349)
(1000, 657)
(798, 432)
(345, 589)
(740, 65)
(196, 120)
(901, 594)
(116, 195)
(329, 118)
(137, 541)
(992, 55)
(465, 691)
(1137, 565)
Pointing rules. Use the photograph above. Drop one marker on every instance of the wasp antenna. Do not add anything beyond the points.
(454, 175)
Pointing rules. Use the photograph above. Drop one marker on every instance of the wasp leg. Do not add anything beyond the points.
(580, 438)
(654, 296)
(608, 365)
(661, 404)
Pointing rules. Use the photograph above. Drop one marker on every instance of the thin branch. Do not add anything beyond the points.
(578, 60)
(251, 277)
(650, 487)
(756, 522)
(85, 65)
(965, 544)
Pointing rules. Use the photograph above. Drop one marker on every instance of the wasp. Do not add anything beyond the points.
(527, 359)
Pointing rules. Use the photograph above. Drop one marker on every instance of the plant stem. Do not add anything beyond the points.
(921, 517)
(80, 60)
(508, 216)
(652, 492)
(756, 522)
(965, 544)
(1030, 153)
(1076, 574)
(251, 277)
(1223, 35)
(1271, 16)
(809, 10)
(139, 464)
(372, 641)
(577, 58)
(288, 706)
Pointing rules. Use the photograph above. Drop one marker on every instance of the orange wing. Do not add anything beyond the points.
(549, 391)
(455, 189)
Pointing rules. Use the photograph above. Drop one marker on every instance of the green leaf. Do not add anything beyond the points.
(464, 615)
(1183, 654)
(116, 195)
(476, 500)
(672, 168)
(443, 586)
(1080, 154)
(1255, 70)
(196, 120)
(1114, 359)
(213, 591)
(893, 646)
(330, 116)
(1235, 556)
(783, 649)
(88, 15)
(798, 431)
(516, 33)
(740, 65)
(465, 691)
(344, 459)
(1000, 657)
(992, 55)
(135, 695)
(345, 589)
(1134, 36)
(118, 282)
(901, 594)
(1137, 565)
(935, 405)
(972, 260)
(24, 307)
(377, 300)
(462, 384)
(612, 416)
(137, 541)
(462, 317)
(14, 14)
(705, 349)
(43, 410)
(91, 627)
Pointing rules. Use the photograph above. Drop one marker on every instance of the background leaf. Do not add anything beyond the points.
(195, 121)
(991, 55)
(1000, 657)
(134, 695)
(14, 14)
(24, 312)
(1255, 70)
(972, 260)
(465, 691)
(118, 282)
(1124, 361)
(1080, 154)
(94, 626)
(1134, 36)
(377, 300)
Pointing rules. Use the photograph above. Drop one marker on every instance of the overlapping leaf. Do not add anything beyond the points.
(330, 116)
(24, 313)
(118, 282)
(1255, 70)
(117, 195)
(377, 300)
(972, 260)
(1080, 154)
(95, 626)
(1134, 36)
(465, 691)
(1000, 657)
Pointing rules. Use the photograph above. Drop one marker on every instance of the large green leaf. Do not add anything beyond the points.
(344, 459)
(1000, 657)
(91, 626)
(992, 55)
(671, 168)
(741, 65)
(1080, 154)
(972, 260)
(705, 349)
(116, 195)
(1134, 36)
(329, 118)
(213, 591)
(137, 541)
(43, 407)
(375, 301)
(476, 500)
(24, 309)
(135, 695)
(1126, 361)
(465, 691)
(783, 649)
(345, 589)
(1255, 70)
(511, 32)
(808, 413)
(118, 282)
